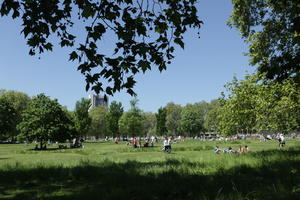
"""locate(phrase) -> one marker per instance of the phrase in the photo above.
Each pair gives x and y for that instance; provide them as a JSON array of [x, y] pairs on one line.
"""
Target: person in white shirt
[[281, 140], [166, 144]]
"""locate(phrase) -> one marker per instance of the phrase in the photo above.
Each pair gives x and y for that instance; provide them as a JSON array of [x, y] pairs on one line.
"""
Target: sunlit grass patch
[[191, 171]]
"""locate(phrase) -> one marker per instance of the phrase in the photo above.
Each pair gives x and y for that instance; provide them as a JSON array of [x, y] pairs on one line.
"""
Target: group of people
[[241, 149], [76, 143], [148, 142]]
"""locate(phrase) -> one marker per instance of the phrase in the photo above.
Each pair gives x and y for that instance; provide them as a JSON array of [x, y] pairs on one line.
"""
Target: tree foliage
[[7, 118], [173, 118], [161, 128], [19, 102], [252, 104], [81, 117], [192, 120], [212, 117], [238, 113], [115, 112], [272, 29], [278, 107], [149, 124], [132, 123], [146, 33], [43, 120], [99, 122]]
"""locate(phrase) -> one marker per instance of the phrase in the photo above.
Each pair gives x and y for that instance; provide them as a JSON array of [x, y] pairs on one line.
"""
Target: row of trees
[[172, 119], [38, 118], [249, 105], [41, 118]]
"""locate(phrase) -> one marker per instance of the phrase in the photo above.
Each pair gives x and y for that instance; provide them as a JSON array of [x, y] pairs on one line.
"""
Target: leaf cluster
[[146, 33], [272, 29]]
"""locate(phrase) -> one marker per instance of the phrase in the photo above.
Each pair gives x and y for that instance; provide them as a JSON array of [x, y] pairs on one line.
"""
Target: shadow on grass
[[131, 180]]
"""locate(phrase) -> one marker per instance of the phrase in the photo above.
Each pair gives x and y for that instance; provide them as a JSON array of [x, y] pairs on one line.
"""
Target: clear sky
[[198, 72]]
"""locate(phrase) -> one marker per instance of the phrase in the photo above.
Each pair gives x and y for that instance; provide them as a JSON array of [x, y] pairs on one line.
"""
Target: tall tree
[[161, 115], [19, 101], [211, 119], [7, 118], [44, 119], [115, 112], [252, 104], [81, 117], [146, 33], [202, 108], [278, 107], [173, 118], [238, 114], [132, 123], [149, 124], [191, 121], [272, 29], [99, 122]]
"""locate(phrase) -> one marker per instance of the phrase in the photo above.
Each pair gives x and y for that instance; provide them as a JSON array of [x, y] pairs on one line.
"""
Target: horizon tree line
[[247, 106]]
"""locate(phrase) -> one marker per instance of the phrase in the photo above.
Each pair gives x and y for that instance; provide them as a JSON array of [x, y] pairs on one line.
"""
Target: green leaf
[[179, 42], [73, 56]]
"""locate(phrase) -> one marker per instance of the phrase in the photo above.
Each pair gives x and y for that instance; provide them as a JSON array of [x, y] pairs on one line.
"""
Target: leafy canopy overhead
[[272, 28], [146, 32]]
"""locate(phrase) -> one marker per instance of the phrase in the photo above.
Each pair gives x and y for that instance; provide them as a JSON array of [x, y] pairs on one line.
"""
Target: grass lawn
[[105, 170]]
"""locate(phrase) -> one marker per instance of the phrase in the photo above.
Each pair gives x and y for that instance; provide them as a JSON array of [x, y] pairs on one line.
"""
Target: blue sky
[[198, 72]]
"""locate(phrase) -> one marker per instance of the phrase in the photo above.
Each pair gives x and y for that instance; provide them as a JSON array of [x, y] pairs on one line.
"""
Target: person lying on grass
[[229, 150]]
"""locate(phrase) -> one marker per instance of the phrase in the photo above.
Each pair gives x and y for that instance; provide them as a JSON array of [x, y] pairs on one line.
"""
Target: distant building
[[97, 100]]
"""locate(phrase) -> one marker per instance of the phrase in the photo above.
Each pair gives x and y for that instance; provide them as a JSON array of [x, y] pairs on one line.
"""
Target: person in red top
[[134, 142]]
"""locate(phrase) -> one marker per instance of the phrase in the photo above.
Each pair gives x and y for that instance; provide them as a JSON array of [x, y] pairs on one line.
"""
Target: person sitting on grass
[[146, 144], [241, 149], [116, 140], [246, 149], [217, 149]]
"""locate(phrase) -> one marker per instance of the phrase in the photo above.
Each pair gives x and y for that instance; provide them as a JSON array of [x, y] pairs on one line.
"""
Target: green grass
[[106, 170]]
